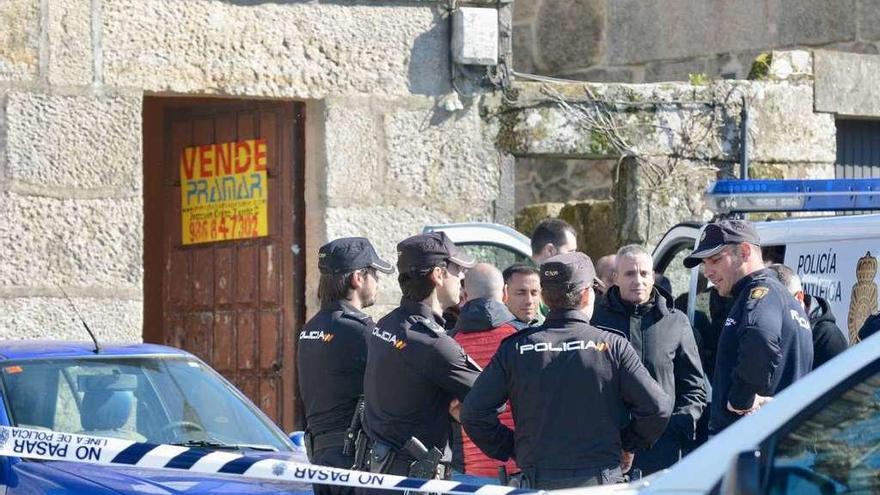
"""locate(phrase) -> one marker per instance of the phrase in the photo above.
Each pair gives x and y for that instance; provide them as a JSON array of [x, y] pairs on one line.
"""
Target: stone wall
[[405, 173], [383, 157], [636, 41], [672, 139], [542, 180]]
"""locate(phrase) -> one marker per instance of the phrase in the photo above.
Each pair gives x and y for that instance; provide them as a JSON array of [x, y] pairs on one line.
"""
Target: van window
[[500, 256], [774, 254], [679, 277], [837, 448]]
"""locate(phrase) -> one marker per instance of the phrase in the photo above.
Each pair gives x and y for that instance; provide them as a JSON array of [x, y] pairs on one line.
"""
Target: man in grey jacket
[[662, 337]]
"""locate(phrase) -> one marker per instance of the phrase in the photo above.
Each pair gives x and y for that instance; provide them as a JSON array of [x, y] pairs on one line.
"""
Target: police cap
[[349, 254], [719, 234], [429, 250], [574, 269]]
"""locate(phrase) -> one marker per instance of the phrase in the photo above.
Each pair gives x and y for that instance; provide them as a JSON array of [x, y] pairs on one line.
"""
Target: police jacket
[[663, 339], [331, 358], [482, 325], [870, 327], [414, 370], [765, 345], [828, 339], [569, 385]]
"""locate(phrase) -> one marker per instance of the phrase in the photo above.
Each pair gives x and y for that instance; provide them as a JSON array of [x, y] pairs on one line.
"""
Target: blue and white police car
[[138, 393]]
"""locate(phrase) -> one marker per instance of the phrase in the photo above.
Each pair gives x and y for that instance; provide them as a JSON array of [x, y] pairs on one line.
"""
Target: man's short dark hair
[[334, 287], [787, 277], [416, 285], [519, 269], [663, 282], [550, 231], [560, 297]]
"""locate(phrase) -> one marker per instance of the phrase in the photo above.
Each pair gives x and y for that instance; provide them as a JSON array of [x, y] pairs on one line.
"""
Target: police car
[[488, 242], [139, 393]]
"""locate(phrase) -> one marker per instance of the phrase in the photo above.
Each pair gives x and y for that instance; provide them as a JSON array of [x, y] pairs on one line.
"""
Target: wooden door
[[236, 303]]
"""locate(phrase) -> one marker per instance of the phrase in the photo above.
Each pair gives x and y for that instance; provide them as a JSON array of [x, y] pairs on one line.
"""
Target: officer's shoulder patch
[[759, 292], [427, 323], [362, 318], [522, 333], [610, 330]]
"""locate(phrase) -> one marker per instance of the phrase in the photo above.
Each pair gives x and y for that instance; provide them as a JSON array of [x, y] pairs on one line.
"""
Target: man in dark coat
[[643, 312], [828, 338]]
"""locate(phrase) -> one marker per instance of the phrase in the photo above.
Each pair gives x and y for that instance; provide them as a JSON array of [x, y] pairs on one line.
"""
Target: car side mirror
[[744, 474], [298, 439]]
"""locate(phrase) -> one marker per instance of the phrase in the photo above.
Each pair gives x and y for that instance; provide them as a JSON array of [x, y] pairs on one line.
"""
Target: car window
[[499, 256], [66, 407], [679, 277], [836, 449], [159, 400]]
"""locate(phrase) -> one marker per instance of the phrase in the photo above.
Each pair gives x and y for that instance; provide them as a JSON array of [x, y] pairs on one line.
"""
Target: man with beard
[[332, 350], [766, 343], [416, 374]]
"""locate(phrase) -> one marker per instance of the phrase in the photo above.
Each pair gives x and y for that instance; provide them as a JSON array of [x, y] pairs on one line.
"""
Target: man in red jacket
[[484, 321]]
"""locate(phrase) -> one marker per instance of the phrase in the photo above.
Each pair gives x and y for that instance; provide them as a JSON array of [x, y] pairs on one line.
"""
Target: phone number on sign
[[223, 228]]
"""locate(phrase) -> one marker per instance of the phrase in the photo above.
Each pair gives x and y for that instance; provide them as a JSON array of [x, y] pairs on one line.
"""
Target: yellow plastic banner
[[224, 191]]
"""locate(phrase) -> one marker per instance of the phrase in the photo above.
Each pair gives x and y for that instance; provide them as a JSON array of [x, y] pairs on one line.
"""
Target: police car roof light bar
[[740, 196]]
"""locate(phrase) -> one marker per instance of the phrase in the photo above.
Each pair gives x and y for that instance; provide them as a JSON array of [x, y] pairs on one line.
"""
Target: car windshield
[[173, 400]]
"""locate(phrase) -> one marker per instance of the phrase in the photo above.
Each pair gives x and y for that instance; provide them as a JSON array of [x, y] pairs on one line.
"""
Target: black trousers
[[333, 457], [555, 479], [399, 467], [664, 453]]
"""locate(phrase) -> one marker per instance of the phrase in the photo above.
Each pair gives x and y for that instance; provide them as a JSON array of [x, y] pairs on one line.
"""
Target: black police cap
[[349, 254], [429, 250], [719, 234], [574, 269]]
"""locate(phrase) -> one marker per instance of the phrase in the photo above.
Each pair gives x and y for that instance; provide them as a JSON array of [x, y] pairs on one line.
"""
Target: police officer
[[415, 372], [766, 342], [332, 350], [570, 386]]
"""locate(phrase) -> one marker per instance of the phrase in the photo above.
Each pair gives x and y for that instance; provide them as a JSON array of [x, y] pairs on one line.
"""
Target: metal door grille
[[858, 149]]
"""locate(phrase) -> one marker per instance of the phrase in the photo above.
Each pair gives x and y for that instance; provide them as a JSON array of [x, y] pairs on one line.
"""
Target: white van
[[835, 256]]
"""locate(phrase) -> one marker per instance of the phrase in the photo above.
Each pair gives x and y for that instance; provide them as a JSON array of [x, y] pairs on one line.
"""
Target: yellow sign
[[224, 191]]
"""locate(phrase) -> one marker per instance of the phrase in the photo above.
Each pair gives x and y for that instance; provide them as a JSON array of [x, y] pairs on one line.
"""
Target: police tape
[[56, 446]]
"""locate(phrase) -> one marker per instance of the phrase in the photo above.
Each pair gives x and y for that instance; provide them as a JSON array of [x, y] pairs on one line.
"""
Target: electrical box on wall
[[475, 36]]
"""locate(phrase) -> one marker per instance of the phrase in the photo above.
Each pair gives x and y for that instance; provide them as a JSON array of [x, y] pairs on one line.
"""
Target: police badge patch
[[279, 468], [758, 292], [4, 436]]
